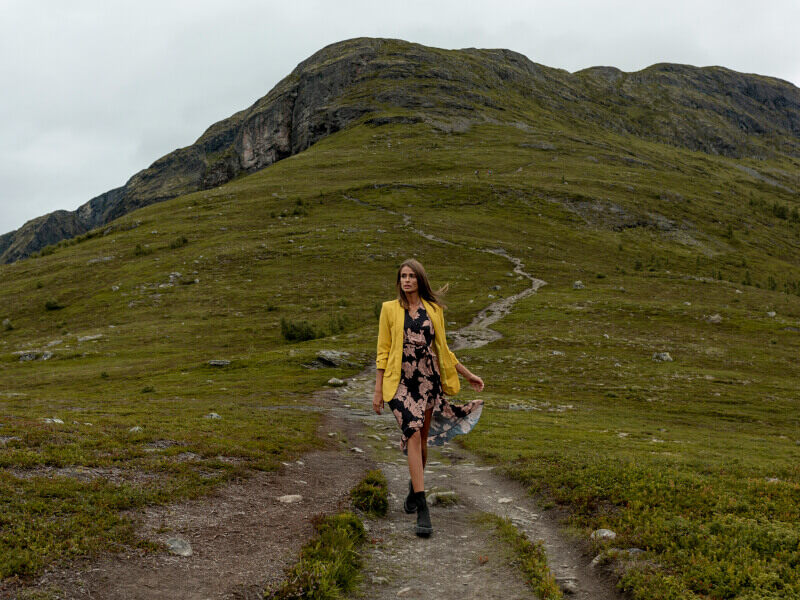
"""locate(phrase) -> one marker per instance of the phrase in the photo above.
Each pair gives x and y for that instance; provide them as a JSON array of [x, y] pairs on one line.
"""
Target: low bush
[[372, 494], [329, 564]]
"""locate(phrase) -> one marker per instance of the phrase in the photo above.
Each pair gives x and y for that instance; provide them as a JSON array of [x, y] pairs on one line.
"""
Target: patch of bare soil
[[241, 536]]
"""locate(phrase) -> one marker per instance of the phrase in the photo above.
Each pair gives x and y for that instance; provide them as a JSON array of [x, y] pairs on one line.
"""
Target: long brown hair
[[423, 285]]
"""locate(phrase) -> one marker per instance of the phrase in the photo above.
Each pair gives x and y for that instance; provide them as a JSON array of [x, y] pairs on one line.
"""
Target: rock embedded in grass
[[603, 534], [335, 382], [212, 415], [662, 357], [578, 285], [332, 358], [218, 363]]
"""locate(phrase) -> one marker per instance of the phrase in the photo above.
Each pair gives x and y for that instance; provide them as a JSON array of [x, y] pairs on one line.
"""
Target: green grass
[[371, 496], [705, 479], [529, 557], [329, 564]]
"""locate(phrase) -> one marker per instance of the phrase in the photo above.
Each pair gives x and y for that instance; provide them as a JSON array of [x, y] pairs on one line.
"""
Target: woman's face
[[408, 280]]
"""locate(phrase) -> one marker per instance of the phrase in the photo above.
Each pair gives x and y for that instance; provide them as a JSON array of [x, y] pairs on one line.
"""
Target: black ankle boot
[[424, 527], [410, 504]]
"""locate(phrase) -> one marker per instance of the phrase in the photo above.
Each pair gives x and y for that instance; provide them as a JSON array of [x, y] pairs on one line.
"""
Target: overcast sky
[[92, 91]]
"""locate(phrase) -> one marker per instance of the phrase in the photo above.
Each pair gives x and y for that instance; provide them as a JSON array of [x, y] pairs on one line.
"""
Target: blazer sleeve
[[452, 356], [384, 339]]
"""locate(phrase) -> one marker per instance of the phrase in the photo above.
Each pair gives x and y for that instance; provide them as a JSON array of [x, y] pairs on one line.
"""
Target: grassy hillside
[[693, 461]]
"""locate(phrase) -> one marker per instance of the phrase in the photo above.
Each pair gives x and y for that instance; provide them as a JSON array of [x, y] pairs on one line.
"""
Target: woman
[[415, 370]]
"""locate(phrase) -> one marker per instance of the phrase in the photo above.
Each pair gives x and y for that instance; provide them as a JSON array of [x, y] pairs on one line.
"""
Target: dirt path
[[461, 560], [241, 536]]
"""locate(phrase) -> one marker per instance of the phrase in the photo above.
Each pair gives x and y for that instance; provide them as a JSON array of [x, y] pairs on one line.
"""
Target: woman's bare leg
[[418, 453], [415, 467]]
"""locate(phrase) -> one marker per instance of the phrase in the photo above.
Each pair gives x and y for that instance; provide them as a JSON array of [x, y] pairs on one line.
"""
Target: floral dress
[[420, 389]]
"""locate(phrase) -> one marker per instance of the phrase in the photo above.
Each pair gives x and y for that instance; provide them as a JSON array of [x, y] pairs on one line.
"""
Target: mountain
[[380, 81]]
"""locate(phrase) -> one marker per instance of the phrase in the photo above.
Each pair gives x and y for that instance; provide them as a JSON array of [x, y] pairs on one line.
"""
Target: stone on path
[[335, 382], [357, 450], [505, 500], [179, 546], [290, 498]]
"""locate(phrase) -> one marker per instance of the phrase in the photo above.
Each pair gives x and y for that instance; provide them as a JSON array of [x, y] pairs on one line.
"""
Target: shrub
[[53, 304], [141, 250], [148, 389], [298, 331], [178, 242], [329, 564], [337, 324], [372, 495]]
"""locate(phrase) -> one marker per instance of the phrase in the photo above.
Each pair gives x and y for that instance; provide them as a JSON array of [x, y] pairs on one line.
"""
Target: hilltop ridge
[[381, 81]]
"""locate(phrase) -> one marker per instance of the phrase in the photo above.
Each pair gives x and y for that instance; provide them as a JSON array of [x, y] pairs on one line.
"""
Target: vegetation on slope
[[693, 461]]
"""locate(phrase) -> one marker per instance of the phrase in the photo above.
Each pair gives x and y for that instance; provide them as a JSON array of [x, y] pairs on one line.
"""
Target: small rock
[[569, 586], [55, 420], [335, 382], [357, 450], [375, 437], [773, 480], [114, 288], [557, 353], [603, 534], [179, 546], [597, 560], [578, 285], [212, 415], [662, 357], [7, 326], [715, 318], [135, 429], [90, 338], [403, 592], [496, 287], [218, 363], [476, 482], [290, 498], [379, 580], [504, 500], [332, 434], [771, 314], [738, 291]]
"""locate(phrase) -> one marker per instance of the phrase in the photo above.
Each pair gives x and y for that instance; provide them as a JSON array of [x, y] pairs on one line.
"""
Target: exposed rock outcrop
[[381, 81]]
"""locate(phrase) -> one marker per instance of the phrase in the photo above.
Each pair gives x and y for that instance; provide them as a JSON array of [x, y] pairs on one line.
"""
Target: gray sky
[[95, 90]]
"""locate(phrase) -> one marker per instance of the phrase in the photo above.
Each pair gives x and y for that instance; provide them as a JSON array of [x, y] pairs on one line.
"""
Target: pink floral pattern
[[420, 389]]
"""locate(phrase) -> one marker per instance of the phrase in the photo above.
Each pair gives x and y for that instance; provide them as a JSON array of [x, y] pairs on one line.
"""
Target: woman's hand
[[476, 382], [377, 401]]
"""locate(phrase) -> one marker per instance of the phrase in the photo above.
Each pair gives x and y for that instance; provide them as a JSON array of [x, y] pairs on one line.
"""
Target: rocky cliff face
[[710, 109]]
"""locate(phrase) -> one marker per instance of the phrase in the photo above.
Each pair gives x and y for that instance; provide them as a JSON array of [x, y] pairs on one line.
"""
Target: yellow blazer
[[390, 348]]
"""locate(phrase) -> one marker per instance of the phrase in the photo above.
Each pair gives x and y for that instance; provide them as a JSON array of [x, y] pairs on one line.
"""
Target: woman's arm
[[384, 346], [475, 381], [377, 398]]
